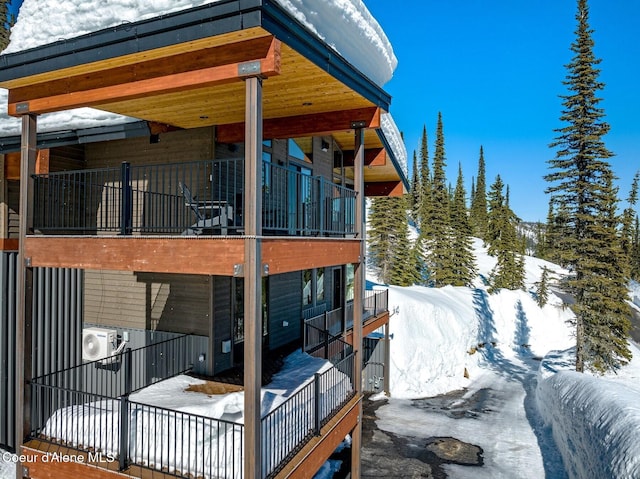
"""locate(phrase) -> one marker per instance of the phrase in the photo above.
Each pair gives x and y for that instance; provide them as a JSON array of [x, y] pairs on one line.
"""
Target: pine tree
[[6, 22], [380, 236], [463, 260], [389, 246], [416, 192], [479, 201], [542, 288], [503, 241], [627, 233], [635, 252], [426, 202], [438, 241], [581, 185], [403, 267]]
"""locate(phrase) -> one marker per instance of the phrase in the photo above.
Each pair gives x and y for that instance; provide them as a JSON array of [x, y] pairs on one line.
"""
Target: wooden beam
[[7, 244], [385, 188], [304, 125], [155, 77], [12, 164], [211, 256], [285, 255], [372, 157]]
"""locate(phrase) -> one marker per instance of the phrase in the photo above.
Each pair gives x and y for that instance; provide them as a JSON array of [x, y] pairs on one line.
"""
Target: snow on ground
[[595, 420], [7, 466], [525, 401]]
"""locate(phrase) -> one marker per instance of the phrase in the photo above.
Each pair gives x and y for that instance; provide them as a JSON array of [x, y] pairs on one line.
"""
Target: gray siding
[[8, 262], [57, 323], [164, 302], [285, 305], [222, 327]]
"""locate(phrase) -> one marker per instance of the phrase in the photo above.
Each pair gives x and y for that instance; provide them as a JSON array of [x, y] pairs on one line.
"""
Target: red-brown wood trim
[[7, 244], [12, 164], [372, 157], [155, 255], [152, 80], [42, 162], [284, 255], [303, 125], [369, 326], [384, 188], [309, 460], [48, 461]]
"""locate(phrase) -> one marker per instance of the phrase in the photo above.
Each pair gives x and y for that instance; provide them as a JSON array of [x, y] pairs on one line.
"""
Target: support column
[[358, 292], [253, 279], [24, 286]]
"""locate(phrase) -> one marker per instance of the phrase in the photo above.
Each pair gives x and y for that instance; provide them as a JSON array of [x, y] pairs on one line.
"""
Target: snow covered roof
[[344, 25]]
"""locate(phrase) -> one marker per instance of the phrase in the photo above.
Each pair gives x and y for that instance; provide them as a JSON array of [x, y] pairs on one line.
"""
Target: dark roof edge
[[204, 21], [394, 160], [118, 131], [289, 30]]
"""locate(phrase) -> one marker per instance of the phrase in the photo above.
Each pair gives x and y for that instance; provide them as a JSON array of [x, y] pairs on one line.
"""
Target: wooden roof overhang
[[186, 69]]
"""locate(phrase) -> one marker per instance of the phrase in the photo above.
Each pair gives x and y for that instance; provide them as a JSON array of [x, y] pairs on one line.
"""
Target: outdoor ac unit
[[98, 343]]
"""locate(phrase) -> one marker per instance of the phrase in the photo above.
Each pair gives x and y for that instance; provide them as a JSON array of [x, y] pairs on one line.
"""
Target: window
[[350, 282], [319, 285], [307, 298], [238, 311]]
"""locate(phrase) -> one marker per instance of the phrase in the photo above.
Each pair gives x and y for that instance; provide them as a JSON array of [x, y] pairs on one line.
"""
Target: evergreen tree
[[416, 192], [463, 260], [635, 252], [389, 246], [380, 236], [503, 242], [6, 22], [438, 241], [426, 201], [542, 288], [581, 185], [627, 233], [403, 267], [479, 201]]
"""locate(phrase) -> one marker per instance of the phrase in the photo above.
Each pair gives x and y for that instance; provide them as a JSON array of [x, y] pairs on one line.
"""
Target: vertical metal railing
[[292, 424], [153, 199]]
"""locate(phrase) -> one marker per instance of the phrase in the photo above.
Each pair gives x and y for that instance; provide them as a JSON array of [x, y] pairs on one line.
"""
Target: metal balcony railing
[[188, 198], [321, 328], [88, 408]]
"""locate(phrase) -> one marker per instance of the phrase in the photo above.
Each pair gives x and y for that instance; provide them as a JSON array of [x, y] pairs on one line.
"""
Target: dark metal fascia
[[394, 160], [280, 23], [119, 131], [196, 23]]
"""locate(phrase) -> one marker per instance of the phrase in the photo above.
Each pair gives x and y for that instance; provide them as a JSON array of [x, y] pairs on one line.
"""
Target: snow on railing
[[99, 418]]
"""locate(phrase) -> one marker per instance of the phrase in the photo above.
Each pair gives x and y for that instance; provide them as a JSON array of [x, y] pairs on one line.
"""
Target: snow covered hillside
[[542, 420]]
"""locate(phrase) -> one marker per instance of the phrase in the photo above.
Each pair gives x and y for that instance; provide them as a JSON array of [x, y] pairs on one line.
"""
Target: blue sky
[[494, 68]]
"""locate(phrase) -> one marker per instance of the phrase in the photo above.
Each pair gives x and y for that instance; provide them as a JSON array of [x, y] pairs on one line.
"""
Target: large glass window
[[350, 282], [319, 285], [238, 310], [307, 285]]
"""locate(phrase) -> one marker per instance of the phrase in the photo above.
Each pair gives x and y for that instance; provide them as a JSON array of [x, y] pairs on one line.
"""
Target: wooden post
[[253, 279], [24, 286], [358, 294]]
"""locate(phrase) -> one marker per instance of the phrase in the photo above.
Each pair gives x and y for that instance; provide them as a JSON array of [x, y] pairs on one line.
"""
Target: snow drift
[[595, 422]]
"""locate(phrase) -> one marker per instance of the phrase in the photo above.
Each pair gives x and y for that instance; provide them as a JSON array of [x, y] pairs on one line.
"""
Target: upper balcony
[[201, 198]]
